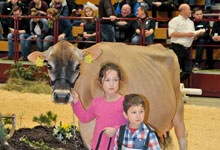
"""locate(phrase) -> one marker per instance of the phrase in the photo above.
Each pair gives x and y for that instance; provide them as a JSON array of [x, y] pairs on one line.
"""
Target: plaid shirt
[[137, 140]]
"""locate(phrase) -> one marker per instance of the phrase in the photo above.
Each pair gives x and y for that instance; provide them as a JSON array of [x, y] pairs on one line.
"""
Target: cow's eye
[[49, 67], [77, 67]]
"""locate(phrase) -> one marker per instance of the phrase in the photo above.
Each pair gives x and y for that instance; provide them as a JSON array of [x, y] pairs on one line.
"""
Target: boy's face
[[198, 14], [135, 116]]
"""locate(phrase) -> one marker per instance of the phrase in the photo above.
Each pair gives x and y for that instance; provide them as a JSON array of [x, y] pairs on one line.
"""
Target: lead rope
[[75, 138]]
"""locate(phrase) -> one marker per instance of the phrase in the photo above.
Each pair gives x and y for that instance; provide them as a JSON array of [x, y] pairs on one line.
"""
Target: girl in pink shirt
[[108, 109]]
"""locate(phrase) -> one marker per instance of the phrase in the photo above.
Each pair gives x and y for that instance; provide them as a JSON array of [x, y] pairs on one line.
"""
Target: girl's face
[[35, 19], [89, 12], [110, 83], [135, 115]]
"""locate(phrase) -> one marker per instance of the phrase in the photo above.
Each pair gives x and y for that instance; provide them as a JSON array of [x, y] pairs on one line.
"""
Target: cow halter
[[72, 84]]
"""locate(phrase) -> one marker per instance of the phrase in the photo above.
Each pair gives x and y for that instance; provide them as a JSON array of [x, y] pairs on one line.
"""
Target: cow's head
[[63, 68]]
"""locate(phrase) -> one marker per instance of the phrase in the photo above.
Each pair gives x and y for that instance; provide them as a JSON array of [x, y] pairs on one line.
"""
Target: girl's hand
[[110, 131], [75, 97]]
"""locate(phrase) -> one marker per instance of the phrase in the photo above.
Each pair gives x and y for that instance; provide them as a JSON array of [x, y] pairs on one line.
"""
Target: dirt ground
[[202, 122]]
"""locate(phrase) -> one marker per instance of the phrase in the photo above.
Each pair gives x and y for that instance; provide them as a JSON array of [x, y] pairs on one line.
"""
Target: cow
[[152, 71]]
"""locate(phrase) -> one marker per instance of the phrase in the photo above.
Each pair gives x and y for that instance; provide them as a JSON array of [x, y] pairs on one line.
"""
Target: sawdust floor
[[202, 122]]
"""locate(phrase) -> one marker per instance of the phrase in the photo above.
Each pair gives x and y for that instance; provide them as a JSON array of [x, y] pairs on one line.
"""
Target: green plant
[[64, 132], [2, 132], [31, 73], [46, 119], [36, 145]]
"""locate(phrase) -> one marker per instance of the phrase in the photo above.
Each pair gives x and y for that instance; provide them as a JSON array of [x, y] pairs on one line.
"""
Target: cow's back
[[148, 70]]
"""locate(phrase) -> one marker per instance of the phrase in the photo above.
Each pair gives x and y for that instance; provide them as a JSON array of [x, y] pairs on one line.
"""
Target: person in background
[[134, 5], [89, 29], [103, 108], [61, 6], [24, 32], [148, 26], [38, 30], [7, 10], [182, 32], [162, 5], [135, 134], [65, 29], [107, 27], [215, 40], [40, 6], [123, 28], [203, 39]]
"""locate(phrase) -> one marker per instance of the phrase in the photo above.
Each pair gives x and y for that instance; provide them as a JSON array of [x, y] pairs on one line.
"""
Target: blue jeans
[[107, 33], [24, 51], [39, 44], [136, 39], [49, 41]]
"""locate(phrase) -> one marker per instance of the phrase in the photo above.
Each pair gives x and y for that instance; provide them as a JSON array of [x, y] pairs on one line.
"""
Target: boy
[[135, 134]]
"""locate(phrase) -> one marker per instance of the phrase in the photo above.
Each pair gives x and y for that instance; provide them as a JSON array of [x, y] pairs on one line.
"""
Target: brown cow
[[149, 70]]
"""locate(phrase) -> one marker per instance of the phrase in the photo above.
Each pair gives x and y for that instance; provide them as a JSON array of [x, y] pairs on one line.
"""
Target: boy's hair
[[132, 100], [16, 8], [53, 11], [109, 66], [197, 9]]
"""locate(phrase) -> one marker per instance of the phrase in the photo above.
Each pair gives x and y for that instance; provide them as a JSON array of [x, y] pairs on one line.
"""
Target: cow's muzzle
[[62, 96]]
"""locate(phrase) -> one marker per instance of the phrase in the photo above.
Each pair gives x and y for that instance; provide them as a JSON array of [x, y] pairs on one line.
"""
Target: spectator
[[23, 32], [61, 6], [215, 40], [123, 28], [162, 5], [7, 10], [65, 29], [107, 27], [192, 4], [25, 6], [148, 27], [134, 5], [89, 29], [182, 32], [202, 39], [40, 6], [38, 29]]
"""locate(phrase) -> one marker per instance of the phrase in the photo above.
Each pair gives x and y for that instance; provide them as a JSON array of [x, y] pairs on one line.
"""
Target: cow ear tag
[[39, 62], [88, 59]]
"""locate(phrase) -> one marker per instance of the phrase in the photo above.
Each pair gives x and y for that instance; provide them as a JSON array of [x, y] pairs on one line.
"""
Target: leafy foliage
[[35, 144], [31, 73], [46, 119]]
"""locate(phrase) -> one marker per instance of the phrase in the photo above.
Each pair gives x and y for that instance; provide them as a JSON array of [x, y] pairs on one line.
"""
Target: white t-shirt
[[180, 24]]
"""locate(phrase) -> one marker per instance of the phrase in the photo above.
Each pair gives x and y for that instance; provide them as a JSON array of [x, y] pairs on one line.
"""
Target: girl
[[89, 29], [107, 109]]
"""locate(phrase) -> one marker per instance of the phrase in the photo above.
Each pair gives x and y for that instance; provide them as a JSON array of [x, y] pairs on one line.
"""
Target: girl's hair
[[53, 11], [109, 66], [132, 100], [86, 21]]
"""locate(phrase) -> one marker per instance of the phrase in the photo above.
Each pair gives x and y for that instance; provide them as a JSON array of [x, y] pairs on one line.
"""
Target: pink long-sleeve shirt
[[108, 114]]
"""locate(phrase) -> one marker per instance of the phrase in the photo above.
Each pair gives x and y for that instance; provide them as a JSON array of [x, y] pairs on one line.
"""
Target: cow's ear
[[34, 55], [94, 51]]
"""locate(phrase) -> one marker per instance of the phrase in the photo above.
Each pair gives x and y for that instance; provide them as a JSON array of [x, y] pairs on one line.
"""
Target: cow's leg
[[86, 132], [179, 127]]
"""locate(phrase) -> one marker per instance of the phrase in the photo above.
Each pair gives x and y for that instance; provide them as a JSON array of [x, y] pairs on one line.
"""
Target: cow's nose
[[60, 97]]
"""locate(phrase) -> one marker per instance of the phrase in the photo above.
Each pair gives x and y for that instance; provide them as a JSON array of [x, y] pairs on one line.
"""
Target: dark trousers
[[209, 53], [200, 49], [184, 59], [168, 9]]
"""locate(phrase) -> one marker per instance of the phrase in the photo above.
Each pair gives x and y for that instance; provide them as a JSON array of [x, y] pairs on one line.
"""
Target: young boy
[[135, 134]]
